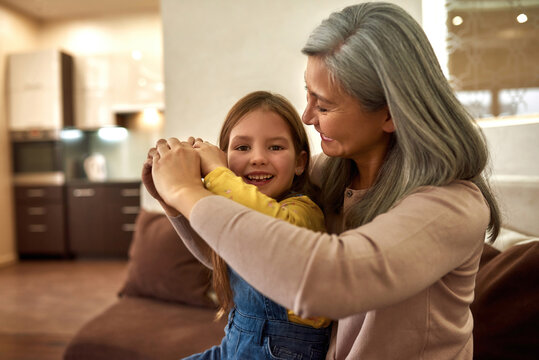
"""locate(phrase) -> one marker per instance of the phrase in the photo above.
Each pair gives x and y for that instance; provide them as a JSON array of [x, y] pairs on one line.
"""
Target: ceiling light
[[457, 20], [522, 18]]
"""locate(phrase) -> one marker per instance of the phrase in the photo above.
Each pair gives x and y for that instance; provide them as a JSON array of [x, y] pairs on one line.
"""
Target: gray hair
[[377, 53]]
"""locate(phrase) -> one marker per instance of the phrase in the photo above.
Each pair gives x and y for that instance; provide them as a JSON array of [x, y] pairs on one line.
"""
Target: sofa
[[165, 309]]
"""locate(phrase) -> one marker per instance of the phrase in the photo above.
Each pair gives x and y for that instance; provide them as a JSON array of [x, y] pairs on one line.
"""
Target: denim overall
[[258, 328]]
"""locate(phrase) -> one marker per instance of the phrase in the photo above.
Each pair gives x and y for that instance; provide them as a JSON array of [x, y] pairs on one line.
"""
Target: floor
[[44, 302]]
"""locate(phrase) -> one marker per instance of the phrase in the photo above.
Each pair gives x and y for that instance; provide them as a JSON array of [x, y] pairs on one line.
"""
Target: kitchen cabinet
[[40, 220], [101, 217], [40, 90], [107, 84]]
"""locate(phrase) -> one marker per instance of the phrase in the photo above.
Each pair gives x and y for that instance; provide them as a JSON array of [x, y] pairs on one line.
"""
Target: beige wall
[[218, 51], [105, 34], [17, 33]]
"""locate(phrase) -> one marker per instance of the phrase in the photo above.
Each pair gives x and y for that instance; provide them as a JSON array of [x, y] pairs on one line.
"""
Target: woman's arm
[[398, 254], [193, 242], [427, 235]]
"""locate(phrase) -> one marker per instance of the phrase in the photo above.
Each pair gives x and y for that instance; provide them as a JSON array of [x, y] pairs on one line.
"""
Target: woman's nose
[[308, 117]]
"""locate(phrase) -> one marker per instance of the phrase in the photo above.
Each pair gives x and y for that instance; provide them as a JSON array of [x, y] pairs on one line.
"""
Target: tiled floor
[[43, 303]]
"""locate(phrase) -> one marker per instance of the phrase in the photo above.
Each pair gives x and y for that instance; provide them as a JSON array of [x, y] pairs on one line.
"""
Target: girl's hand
[[176, 174], [211, 157]]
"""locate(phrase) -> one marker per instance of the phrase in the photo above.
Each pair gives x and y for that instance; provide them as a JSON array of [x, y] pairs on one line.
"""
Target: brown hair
[[301, 183]]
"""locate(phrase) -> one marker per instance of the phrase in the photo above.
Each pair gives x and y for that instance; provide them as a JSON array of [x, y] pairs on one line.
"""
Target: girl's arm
[[298, 210]]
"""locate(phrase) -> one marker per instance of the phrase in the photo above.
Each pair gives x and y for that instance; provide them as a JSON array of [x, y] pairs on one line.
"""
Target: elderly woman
[[402, 189]]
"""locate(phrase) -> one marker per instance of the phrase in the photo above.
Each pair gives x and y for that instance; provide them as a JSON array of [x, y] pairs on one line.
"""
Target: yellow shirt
[[298, 210]]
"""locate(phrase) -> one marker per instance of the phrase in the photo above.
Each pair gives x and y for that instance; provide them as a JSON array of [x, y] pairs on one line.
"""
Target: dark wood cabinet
[[101, 217], [41, 220]]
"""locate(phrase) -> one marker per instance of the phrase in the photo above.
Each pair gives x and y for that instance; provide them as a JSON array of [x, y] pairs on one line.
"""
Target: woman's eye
[[321, 109], [276, 147], [242, 148]]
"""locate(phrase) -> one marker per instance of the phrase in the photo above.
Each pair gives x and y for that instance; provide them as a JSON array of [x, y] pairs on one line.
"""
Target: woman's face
[[346, 130], [261, 151]]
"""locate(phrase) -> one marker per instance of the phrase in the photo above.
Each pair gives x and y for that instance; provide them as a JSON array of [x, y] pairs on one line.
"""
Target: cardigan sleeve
[[198, 247], [401, 252]]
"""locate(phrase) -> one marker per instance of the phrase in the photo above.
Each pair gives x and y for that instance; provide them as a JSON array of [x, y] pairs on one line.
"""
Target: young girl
[[267, 152]]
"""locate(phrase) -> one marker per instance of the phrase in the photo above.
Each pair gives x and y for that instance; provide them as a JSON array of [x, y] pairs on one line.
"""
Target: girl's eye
[[276, 147], [242, 148]]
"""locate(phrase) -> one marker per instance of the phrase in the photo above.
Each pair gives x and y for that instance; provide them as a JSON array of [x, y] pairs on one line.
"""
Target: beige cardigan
[[399, 286]]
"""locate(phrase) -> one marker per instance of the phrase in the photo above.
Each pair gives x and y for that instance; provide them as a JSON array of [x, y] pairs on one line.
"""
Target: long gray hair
[[377, 53]]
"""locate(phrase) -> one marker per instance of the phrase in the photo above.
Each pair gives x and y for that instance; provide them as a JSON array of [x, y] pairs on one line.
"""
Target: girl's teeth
[[259, 177]]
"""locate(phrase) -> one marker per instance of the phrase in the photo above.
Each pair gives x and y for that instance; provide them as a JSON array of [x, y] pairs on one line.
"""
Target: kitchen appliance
[[38, 157], [95, 167]]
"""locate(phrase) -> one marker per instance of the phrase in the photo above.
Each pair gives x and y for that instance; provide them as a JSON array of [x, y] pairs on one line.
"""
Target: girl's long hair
[[379, 54], [301, 183]]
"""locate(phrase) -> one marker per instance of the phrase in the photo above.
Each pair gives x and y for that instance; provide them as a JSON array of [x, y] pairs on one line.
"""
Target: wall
[[215, 53], [17, 33], [514, 149]]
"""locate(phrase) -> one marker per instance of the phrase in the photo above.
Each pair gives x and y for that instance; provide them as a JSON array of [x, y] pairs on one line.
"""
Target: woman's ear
[[301, 161], [388, 125]]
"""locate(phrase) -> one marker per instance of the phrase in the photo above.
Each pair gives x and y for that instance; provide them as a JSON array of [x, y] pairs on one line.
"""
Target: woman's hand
[[211, 157], [147, 180], [176, 174]]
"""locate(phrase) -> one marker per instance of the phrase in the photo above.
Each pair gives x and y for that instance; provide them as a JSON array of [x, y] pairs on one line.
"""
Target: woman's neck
[[367, 171]]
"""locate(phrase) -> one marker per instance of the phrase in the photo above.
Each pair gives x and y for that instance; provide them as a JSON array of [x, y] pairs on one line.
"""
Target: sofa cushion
[[161, 267], [506, 305], [146, 329]]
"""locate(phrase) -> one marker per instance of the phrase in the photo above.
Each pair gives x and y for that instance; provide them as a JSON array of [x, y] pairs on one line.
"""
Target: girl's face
[[261, 151], [345, 129]]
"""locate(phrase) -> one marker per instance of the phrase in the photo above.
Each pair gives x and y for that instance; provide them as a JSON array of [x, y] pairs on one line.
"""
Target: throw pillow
[[161, 267]]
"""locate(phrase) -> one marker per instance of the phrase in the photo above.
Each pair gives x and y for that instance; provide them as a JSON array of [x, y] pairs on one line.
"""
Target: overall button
[[349, 193]]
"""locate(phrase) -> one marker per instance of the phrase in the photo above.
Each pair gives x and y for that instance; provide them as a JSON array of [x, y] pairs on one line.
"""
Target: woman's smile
[[325, 138]]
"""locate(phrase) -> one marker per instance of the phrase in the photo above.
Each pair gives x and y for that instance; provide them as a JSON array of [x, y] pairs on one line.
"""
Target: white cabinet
[[106, 84], [40, 90], [92, 92]]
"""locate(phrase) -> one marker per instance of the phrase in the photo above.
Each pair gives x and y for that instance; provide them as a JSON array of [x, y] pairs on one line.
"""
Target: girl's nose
[[258, 157]]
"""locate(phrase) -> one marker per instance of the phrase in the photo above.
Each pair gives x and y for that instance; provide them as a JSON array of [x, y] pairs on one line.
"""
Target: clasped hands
[[173, 170]]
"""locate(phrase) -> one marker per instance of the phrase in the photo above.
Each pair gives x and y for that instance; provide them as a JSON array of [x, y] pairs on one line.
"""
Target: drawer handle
[[35, 193], [37, 228], [37, 211], [130, 210], [83, 192], [128, 227], [130, 192]]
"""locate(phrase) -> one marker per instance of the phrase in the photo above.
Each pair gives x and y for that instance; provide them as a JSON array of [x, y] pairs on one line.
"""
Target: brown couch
[[506, 305], [164, 310]]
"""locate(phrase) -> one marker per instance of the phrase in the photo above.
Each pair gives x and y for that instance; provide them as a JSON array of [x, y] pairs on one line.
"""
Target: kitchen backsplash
[[124, 153]]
